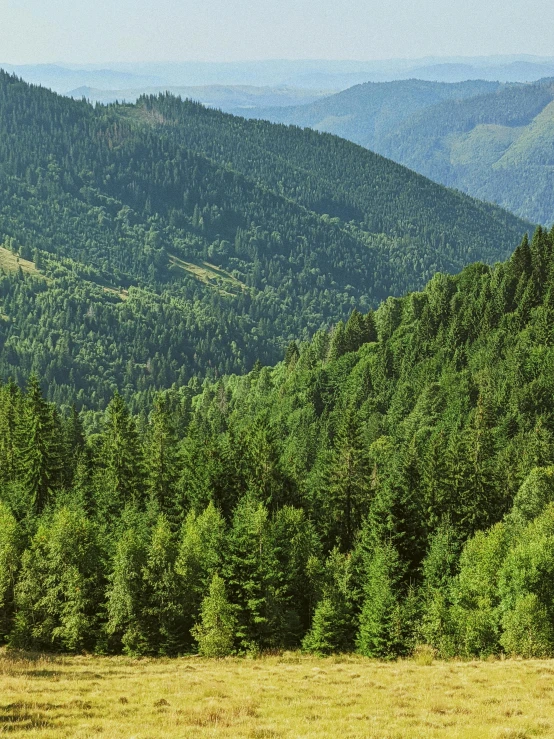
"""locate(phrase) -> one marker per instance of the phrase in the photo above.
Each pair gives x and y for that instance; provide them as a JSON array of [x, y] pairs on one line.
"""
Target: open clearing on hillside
[[10, 262], [210, 275], [286, 696]]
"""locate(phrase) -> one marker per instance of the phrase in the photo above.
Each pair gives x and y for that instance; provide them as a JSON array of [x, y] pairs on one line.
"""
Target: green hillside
[[389, 484], [172, 241], [366, 113], [493, 142]]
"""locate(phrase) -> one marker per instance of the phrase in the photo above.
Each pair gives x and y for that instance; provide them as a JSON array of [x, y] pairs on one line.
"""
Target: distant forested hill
[[495, 142], [144, 244], [366, 113]]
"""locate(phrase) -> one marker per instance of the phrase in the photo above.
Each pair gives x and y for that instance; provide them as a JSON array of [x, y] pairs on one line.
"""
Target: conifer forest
[[261, 390]]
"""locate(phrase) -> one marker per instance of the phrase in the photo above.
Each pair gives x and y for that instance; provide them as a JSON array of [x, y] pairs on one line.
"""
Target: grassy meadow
[[282, 696]]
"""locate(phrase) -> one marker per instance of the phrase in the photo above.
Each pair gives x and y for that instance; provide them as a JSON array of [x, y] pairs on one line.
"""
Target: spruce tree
[[120, 479], [125, 596], [201, 553], [39, 451], [163, 593], [337, 346], [74, 444], [332, 628], [348, 490], [11, 401], [439, 569], [215, 633], [250, 571], [163, 462], [60, 590], [383, 631]]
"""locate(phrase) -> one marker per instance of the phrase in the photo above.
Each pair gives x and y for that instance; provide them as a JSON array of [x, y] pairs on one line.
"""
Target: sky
[[84, 31]]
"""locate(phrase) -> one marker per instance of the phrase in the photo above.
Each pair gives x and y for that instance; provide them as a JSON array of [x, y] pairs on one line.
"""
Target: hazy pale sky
[[77, 31]]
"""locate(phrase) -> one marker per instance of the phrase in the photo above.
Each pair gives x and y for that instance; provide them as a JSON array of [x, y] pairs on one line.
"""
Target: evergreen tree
[[200, 556], [125, 596], [215, 633], [162, 462], [39, 460], [348, 492], [74, 444], [10, 555], [439, 568], [10, 415], [120, 481], [337, 346], [163, 592], [384, 626], [250, 571], [58, 596], [333, 624]]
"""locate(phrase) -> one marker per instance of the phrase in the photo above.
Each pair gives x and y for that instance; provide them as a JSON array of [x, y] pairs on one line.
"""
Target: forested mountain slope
[[166, 240], [389, 483], [492, 141], [499, 147], [366, 113]]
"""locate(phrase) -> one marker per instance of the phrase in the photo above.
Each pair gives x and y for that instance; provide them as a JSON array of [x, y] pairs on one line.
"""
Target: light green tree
[[215, 633]]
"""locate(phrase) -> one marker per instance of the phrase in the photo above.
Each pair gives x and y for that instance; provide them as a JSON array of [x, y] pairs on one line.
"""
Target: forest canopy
[[389, 483], [143, 245]]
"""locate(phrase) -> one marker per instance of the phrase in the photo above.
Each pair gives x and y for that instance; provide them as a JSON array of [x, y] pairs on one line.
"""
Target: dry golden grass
[[10, 262], [286, 696]]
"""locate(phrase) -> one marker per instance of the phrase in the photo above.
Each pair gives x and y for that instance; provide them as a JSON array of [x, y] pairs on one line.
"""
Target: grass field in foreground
[[287, 696]]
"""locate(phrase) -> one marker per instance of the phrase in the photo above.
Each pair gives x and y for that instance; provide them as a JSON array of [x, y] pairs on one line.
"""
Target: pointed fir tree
[[357, 331], [439, 569], [125, 596], [291, 355], [337, 346], [383, 631], [39, 459], [250, 570], [215, 633], [163, 462], [332, 627], [59, 593], [200, 556], [348, 488], [74, 444], [11, 402], [163, 593], [120, 479]]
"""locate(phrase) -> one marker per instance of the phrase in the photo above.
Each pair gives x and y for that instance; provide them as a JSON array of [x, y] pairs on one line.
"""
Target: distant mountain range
[[306, 74], [492, 140], [230, 98]]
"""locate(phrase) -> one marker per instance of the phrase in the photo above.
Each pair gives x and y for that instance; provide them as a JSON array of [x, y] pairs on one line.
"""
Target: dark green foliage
[[172, 241], [39, 458], [382, 628], [393, 492], [120, 479], [491, 140], [10, 555], [332, 628]]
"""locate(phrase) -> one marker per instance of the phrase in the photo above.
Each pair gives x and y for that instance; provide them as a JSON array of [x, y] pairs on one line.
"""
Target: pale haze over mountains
[[333, 75]]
